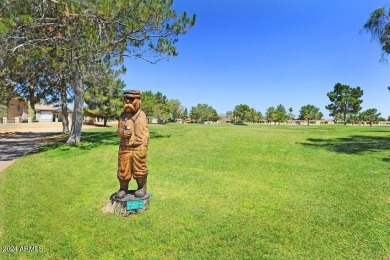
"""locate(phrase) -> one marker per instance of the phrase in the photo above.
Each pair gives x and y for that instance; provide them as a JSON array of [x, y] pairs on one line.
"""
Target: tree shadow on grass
[[157, 135], [356, 144], [384, 130], [43, 143], [89, 140], [99, 138]]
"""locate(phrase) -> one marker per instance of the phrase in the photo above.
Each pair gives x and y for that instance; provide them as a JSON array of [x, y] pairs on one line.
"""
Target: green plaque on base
[[128, 205], [135, 204]]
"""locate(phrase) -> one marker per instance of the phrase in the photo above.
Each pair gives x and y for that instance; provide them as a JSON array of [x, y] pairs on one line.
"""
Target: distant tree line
[[345, 101], [277, 115], [157, 105], [344, 107]]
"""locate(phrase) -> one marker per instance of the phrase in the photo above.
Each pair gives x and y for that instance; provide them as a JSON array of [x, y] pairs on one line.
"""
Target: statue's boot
[[124, 186], [141, 191]]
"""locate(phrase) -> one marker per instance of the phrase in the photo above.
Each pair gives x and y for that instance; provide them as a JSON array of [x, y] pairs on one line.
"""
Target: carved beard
[[131, 107]]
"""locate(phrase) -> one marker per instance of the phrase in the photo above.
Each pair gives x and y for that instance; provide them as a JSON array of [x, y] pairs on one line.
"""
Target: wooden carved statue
[[134, 138]]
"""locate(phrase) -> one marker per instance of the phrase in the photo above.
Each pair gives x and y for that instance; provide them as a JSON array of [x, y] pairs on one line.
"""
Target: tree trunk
[[345, 118], [105, 121], [65, 119], [78, 112], [64, 108]]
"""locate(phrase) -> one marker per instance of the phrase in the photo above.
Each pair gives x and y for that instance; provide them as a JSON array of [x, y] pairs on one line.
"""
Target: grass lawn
[[217, 191]]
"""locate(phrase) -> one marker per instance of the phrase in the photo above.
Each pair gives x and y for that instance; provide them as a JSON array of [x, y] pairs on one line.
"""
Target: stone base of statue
[[128, 205]]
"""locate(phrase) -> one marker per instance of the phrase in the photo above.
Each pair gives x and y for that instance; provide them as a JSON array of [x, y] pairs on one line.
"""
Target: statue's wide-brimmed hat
[[132, 93]]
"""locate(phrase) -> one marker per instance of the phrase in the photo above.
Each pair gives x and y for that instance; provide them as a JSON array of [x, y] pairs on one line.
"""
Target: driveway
[[14, 145], [17, 140]]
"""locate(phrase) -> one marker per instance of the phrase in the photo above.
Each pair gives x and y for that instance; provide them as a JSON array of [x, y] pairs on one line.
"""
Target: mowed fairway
[[217, 191]]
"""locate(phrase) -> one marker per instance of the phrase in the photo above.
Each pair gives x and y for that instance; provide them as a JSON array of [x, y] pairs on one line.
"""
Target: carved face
[[131, 105]]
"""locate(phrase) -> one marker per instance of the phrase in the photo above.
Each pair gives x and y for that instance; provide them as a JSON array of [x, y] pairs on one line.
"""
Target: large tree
[[280, 114], [345, 100], [161, 107], [176, 110], [103, 95], [244, 113], [310, 112], [155, 105], [255, 116], [241, 113], [270, 114], [81, 33], [371, 115], [203, 112], [378, 24], [148, 102]]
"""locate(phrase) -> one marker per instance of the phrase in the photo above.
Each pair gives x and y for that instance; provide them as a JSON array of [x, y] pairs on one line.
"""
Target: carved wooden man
[[134, 138]]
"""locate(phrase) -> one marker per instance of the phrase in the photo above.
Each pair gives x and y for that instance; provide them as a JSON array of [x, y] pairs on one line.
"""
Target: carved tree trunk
[[78, 113]]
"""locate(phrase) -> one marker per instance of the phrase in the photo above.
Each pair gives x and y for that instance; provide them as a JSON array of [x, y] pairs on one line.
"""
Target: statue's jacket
[[137, 123]]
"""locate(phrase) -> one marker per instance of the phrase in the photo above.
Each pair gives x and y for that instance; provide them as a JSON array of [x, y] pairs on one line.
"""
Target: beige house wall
[[17, 108]]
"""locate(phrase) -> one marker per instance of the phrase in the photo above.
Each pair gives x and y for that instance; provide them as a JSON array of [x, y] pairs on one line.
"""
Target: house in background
[[19, 111], [49, 113], [16, 112], [224, 119], [43, 113], [58, 115]]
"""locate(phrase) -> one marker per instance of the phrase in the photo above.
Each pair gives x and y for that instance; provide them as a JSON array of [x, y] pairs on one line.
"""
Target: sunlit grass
[[218, 191]]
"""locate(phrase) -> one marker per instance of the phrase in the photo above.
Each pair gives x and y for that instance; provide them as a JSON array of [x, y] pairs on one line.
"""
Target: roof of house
[[39, 107], [59, 109]]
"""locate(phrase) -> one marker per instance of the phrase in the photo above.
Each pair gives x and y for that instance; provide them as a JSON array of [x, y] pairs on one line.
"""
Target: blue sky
[[266, 53]]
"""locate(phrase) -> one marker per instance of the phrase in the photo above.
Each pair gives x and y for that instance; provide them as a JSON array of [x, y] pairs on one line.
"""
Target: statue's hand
[[126, 133]]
